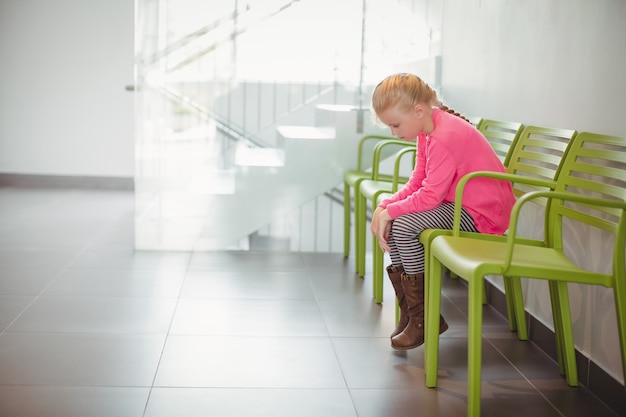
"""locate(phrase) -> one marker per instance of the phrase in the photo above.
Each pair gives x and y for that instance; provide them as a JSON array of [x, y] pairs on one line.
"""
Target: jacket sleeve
[[439, 174], [417, 176]]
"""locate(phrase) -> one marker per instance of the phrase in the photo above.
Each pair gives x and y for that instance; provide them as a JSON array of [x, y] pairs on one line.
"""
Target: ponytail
[[447, 109]]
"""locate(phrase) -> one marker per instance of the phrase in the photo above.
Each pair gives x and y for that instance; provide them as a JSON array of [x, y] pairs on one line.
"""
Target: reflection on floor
[[89, 327]]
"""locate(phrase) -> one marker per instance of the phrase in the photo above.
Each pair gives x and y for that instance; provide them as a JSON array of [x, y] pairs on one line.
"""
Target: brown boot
[[395, 276], [413, 335]]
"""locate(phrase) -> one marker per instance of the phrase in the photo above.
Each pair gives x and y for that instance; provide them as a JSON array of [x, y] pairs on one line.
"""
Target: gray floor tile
[[128, 258], [48, 359], [372, 363], [249, 362], [41, 401], [26, 280], [11, 306], [202, 402], [27, 256], [293, 285], [357, 317], [96, 315], [247, 261], [407, 402], [109, 282], [248, 318]]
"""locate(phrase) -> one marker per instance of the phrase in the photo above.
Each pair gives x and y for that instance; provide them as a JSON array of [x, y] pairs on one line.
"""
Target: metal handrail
[[233, 16], [224, 126]]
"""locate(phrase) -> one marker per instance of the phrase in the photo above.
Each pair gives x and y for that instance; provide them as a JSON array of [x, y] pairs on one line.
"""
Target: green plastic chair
[[376, 179], [535, 159], [501, 135], [589, 191], [352, 177]]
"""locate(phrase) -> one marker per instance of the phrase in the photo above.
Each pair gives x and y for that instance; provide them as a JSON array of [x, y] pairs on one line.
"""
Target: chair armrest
[[514, 178], [362, 142], [560, 195], [396, 167], [378, 149]]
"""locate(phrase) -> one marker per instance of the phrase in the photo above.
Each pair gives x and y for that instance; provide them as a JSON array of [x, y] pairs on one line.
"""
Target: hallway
[[89, 327]]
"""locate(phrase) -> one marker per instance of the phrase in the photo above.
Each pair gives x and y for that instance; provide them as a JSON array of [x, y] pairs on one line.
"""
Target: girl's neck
[[429, 124]]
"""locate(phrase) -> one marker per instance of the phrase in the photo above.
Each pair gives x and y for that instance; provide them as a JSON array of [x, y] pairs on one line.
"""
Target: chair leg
[[484, 296], [510, 303], [432, 310], [359, 212], [620, 306], [515, 306], [474, 353], [347, 208], [360, 224], [563, 326], [378, 271], [377, 262], [556, 317]]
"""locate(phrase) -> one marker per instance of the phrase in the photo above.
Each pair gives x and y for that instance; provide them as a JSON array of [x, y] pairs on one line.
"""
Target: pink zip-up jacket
[[453, 149]]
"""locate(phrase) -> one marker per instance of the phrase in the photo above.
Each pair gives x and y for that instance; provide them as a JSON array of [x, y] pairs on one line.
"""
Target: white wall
[[64, 65], [557, 63]]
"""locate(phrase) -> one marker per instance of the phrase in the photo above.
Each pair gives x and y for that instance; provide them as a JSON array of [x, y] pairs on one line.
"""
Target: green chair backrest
[[538, 153], [502, 136], [595, 167]]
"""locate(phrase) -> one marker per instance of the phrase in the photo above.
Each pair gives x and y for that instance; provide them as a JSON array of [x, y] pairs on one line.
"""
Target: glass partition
[[247, 112]]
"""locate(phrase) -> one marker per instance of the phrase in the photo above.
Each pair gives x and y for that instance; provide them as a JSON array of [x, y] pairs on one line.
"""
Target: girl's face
[[406, 125]]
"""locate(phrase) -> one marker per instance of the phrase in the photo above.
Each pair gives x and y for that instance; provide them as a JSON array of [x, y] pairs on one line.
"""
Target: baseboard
[[67, 181], [594, 378]]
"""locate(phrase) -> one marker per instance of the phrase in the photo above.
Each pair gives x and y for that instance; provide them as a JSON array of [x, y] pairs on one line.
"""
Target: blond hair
[[405, 91]]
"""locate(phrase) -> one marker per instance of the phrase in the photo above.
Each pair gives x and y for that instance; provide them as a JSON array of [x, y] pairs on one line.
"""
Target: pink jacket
[[453, 149]]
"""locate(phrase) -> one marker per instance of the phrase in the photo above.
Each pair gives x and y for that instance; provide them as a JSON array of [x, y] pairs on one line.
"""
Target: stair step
[[306, 132], [260, 157]]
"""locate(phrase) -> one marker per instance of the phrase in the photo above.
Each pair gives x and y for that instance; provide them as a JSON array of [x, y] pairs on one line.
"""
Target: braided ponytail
[[447, 109]]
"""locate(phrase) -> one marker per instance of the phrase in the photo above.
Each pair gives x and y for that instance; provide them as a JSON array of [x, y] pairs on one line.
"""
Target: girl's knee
[[405, 226]]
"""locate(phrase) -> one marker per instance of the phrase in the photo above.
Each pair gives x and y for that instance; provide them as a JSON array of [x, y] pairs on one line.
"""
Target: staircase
[[217, 158], [209, 195]]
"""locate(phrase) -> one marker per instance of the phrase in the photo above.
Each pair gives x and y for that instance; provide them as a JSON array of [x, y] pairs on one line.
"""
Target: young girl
[[448, 147]]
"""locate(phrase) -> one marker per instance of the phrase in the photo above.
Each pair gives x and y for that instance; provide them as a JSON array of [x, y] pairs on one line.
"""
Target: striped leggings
[[406, 249]]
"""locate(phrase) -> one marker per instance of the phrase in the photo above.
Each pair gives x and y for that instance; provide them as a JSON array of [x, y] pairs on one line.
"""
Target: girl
[[448, 147]]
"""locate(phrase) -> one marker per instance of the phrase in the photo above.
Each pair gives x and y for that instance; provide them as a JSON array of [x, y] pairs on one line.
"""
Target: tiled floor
[[89, 327]]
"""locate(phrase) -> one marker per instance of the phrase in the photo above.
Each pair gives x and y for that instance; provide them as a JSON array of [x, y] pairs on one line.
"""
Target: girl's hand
[[380, 227]]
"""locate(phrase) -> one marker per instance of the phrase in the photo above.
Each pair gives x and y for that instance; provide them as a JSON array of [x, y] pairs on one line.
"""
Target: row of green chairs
[[537, 155], [534, 157], [534, 152], [501, 134], [373, 150], [589, 190]]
